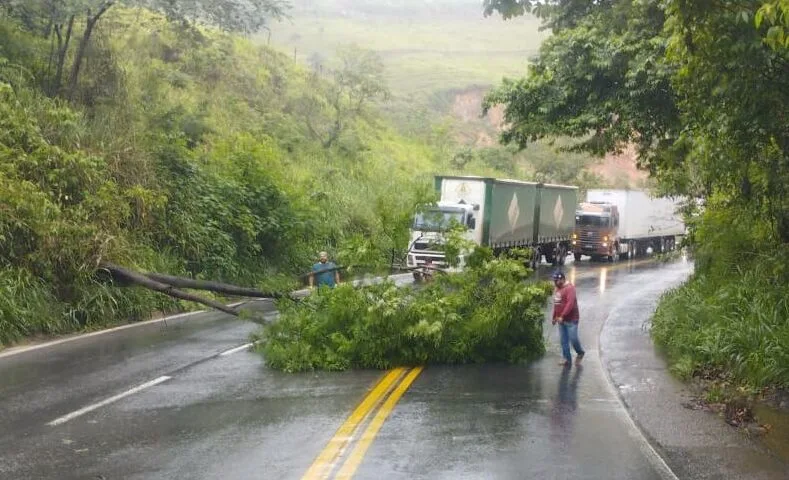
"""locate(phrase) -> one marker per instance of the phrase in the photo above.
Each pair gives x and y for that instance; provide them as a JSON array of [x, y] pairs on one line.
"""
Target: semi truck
[[496, 213], [617, 224]]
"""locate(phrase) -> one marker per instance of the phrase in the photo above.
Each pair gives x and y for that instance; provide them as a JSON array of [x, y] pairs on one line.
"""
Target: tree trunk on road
[[143, 281], [182, 282]]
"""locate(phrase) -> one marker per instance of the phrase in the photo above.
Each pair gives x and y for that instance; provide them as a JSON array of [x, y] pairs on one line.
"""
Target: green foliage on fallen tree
[[488, 313]]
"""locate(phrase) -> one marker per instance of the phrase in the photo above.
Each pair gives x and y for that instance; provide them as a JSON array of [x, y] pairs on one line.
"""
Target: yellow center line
[[323, 464], [355, 458]]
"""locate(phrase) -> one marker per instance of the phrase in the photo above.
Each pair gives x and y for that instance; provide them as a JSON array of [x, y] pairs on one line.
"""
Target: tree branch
[[218, 287], [143, 281]]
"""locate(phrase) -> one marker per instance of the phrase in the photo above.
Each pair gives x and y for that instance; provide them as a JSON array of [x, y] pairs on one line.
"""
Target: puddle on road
[[777, 439]]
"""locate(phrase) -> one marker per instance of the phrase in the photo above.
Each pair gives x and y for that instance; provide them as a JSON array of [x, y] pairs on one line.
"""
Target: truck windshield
[[591, 221], [436, 220]]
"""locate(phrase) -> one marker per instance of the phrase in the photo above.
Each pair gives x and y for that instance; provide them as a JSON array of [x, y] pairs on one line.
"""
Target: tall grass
[[199, 163], [27, 306], [735, 325]]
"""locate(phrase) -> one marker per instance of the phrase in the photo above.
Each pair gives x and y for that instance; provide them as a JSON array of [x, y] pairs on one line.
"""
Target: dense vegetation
[[158, 135], [488, 313], [702, 88], [182, 149]]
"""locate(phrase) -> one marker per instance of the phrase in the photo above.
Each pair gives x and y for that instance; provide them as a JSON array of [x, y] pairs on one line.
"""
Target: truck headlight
[[605, 244], [605, 239]]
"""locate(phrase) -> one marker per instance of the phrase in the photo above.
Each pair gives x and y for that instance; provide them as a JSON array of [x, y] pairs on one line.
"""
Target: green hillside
[[183, 150], [424, 53]]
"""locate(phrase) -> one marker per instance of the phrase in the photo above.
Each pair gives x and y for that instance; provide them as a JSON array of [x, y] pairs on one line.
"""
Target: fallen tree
[[139, 279], [171, 285], [487, 313], [218, 287]]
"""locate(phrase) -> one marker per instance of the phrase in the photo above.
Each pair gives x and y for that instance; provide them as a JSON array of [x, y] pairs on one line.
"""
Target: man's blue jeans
[[568, 333]]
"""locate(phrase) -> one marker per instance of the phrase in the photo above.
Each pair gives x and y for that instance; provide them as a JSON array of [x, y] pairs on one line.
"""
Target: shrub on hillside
[[488, 313]]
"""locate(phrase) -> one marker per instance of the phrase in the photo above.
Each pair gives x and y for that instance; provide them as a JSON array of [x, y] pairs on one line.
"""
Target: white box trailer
[[613, 223], [641, 216]]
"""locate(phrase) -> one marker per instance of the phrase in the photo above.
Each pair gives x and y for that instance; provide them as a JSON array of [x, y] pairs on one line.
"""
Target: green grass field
[[424, 55], [439, 57]]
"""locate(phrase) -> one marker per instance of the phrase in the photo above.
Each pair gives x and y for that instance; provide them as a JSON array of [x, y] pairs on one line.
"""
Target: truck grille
[[588, 238], [438, 262]]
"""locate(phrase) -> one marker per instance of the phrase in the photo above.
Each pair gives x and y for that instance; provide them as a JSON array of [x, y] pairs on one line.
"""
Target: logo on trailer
[[558, 212], [514, 212], [462, 190]]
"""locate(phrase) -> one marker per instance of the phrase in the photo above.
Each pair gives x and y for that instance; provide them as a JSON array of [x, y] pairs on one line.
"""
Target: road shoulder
[[51, 341], [694, 444]]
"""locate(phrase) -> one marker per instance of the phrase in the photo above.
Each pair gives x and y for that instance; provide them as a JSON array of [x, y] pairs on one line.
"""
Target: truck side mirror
[[472, 223]]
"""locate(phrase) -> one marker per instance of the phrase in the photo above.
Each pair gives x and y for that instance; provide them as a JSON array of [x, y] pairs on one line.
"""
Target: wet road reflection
[[565, 405], [235, 419], [603, 278]]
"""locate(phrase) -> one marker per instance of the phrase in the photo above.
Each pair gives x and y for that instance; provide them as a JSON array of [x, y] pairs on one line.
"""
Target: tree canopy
[[243, 16], [702, 88]]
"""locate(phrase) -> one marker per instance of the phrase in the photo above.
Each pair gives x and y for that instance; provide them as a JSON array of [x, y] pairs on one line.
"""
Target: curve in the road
[[647, 447]]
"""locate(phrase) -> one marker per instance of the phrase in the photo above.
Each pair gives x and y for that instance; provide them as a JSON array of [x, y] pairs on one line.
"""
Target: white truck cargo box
[[641, 216]]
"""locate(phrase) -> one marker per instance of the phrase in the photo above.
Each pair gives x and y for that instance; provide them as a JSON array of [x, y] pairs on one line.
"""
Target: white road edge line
[[660, 464], [90, 408], [17, 350], [235, 350]]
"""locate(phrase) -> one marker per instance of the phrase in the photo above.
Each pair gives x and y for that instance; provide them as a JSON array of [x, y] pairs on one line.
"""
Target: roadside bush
[[735, 327], [488, 313], [731, 319]]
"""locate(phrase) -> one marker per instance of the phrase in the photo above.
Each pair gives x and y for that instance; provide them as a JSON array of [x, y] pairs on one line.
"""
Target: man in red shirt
[[565, 313]]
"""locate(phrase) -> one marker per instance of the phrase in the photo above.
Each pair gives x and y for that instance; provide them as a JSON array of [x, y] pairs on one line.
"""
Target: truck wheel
[[577, 257], [550, 258], [614, 254], [535, 261]]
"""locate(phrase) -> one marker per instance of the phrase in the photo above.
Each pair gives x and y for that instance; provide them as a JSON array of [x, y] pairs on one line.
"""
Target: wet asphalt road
[[229, 417]]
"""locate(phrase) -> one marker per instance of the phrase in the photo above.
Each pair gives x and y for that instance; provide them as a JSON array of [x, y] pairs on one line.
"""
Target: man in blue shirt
[[325, 272]]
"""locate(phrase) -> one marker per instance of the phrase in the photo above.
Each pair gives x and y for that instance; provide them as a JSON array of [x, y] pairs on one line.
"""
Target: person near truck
[[325, 273], [566, 314], [427, 271]]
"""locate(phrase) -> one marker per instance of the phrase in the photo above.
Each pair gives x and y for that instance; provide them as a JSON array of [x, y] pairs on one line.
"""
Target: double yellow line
[[394, 384], [383, 397]]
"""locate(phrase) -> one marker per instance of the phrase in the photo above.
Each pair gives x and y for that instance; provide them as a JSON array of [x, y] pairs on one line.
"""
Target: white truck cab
[[429, 226]]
